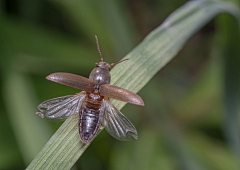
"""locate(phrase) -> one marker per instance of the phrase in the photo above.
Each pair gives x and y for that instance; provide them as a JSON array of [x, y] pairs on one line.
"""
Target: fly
[[92, 105]]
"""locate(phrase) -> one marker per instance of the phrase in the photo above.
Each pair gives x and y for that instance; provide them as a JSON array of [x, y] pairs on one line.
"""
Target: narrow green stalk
[[154, 52]]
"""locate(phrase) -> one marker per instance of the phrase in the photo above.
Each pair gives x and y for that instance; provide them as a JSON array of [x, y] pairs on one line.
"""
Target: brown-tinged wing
[[117, 124], [60, 108], [72, 80], [121, 94]]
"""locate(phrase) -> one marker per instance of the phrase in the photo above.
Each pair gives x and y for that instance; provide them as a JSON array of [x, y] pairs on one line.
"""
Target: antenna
[[118, 62], [98, 48]]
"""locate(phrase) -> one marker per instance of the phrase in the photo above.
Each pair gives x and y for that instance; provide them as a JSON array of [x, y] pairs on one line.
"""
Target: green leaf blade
[[156, 50]]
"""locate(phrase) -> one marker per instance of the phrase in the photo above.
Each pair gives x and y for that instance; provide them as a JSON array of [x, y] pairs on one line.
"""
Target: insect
[[92, 104]]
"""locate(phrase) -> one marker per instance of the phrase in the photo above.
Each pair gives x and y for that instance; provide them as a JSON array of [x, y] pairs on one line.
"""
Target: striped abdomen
[[90, 117]]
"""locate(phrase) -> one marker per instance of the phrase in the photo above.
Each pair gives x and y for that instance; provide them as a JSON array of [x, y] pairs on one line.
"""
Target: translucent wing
[[61, 108], [117, 124]]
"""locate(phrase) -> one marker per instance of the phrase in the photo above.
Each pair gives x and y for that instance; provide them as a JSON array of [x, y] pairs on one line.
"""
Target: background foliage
[[184, 123]]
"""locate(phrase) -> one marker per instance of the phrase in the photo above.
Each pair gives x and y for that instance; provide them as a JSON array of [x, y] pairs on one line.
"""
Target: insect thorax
[[100, 76], [93, 100]]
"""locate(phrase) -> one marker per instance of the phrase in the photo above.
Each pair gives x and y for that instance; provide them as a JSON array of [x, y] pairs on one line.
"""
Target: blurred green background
[[183, 124]]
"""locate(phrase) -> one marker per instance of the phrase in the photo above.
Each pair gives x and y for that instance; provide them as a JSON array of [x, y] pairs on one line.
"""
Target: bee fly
[[92, 104]]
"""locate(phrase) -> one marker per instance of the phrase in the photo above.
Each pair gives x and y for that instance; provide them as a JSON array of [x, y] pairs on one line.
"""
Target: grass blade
[[230, 49], [156, 50], [20, 101]]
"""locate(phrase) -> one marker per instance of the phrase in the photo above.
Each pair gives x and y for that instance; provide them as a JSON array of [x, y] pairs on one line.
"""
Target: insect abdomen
[[88, 124], [90, 117]]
